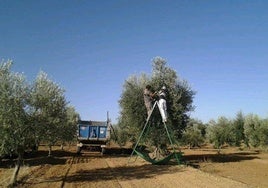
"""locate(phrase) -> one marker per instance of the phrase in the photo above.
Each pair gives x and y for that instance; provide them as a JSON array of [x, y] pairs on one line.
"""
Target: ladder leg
[[170, 140], [148, 118], [138, 141]]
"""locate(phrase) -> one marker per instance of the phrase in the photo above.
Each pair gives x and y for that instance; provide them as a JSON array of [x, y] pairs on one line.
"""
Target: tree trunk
[[16, 170], [156, 153], [49, 150], [219, 150]]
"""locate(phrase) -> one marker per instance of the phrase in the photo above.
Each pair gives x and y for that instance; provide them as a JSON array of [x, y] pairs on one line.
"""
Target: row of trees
[[244, 130], [31, 113]]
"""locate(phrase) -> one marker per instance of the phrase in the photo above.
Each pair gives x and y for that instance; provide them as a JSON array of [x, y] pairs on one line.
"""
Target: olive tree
[[15, 129], [263, 133], [238, 128], [49, 109], [133, 112], [251, 127], [220, 132], [194, 135], [70, 126], [31, 113]]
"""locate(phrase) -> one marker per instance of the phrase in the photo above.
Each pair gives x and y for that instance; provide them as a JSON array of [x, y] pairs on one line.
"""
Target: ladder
[[143, 130]]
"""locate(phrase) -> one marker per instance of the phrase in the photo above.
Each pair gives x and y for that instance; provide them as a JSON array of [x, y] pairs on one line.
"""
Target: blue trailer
[[93, 134]]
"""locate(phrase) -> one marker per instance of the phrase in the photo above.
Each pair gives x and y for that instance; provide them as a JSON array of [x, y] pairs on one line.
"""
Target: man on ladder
[[148, 95], [149, 98]]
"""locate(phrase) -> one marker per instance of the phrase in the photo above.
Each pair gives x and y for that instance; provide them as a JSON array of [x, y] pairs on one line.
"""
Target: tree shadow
[[62, 157], [121, 173], [39, 158], [42, 153], [195, 160], [108, 173], [118, 151]]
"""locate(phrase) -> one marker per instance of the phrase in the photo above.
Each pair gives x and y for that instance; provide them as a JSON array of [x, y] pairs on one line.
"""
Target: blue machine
[[93, 134]]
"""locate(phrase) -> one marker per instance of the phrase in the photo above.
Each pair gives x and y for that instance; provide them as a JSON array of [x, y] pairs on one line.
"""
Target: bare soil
[[247, 166], [200, 168]]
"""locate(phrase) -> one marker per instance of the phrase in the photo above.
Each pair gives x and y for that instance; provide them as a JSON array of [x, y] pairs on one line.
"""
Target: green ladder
[[146, 156]]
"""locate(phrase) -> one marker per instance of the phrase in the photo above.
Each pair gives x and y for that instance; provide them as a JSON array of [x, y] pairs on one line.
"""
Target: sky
[[91, 47]]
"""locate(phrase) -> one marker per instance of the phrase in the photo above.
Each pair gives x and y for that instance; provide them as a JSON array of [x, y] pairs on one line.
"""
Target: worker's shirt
[[162, 94], [147, 96]]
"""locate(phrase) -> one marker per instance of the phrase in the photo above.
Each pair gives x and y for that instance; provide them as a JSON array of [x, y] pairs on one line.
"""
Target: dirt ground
[[201, 168]]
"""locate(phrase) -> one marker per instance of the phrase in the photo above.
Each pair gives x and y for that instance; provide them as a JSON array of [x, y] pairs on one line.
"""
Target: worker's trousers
[[163, 109]]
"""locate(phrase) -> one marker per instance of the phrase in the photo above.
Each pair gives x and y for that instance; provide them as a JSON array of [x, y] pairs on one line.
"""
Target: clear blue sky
[[91, 47]]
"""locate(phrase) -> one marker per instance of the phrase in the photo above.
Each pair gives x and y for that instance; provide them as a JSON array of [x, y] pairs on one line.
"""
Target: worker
[[148, 95], [162, 103]]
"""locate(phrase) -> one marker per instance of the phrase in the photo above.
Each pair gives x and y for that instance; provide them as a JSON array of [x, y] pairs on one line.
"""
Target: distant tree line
[[32, 113], [249, 131]]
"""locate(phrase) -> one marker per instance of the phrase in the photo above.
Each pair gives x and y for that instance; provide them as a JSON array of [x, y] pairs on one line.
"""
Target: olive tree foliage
[[48, 109], [133, 113], [220, 132], [69, 128], [15, 129], [31, 113], [250, 130], [195, 133], [254, 128], [263, 134], [179, 98], [238, 128]]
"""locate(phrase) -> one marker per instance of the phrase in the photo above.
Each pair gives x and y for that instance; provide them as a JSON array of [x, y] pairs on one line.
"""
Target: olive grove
[[31, 113]]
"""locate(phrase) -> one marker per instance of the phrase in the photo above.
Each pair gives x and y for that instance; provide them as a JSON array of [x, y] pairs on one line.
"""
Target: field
[[202, 168]]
